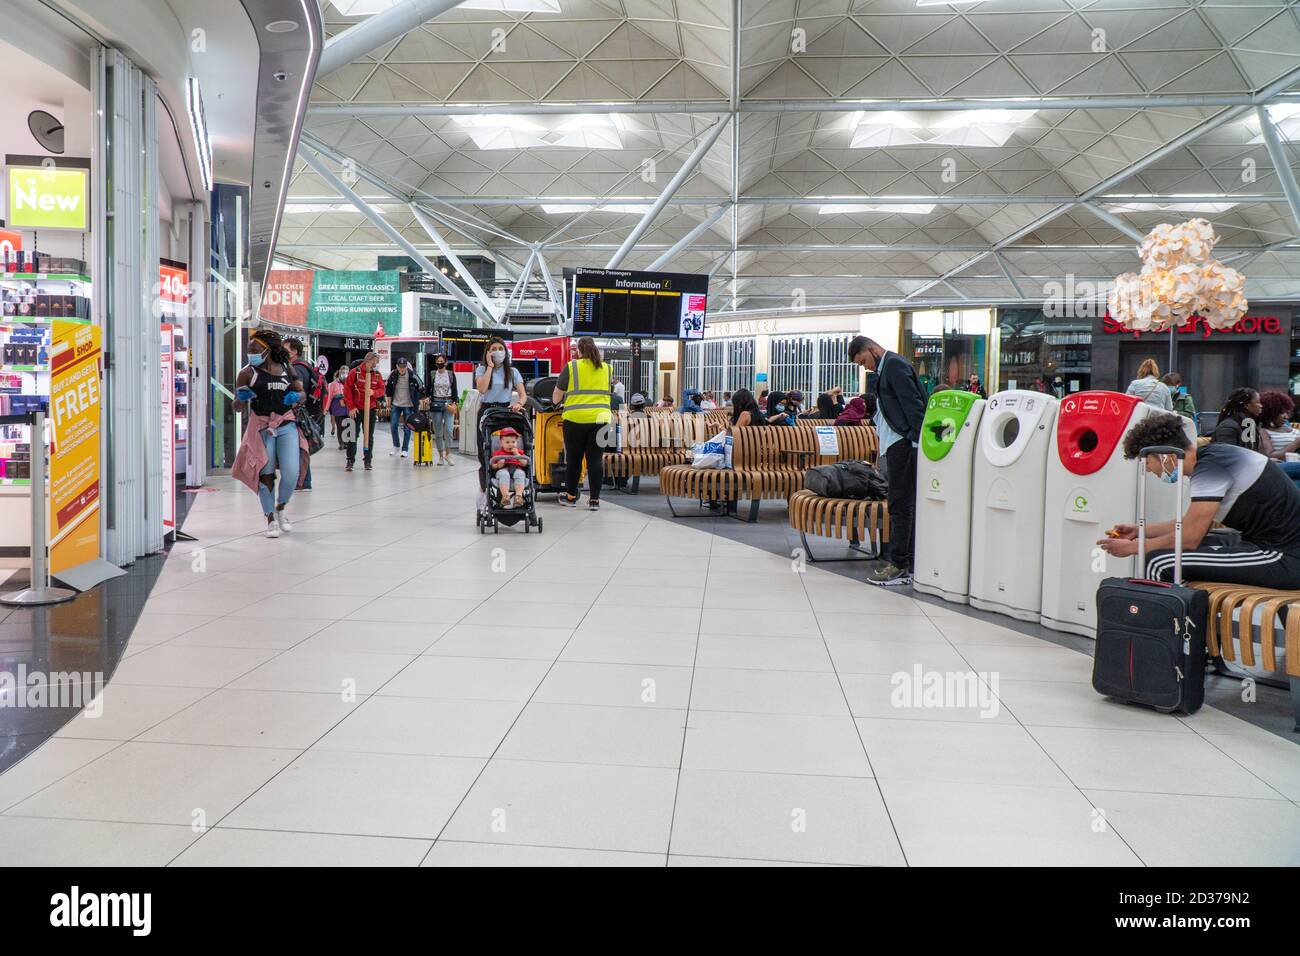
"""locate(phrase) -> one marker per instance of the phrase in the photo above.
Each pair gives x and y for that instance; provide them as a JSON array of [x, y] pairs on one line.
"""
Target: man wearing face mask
[[1231, 484], [501, 386]]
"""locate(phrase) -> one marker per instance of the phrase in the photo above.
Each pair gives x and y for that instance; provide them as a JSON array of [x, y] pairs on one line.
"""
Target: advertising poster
[[346, 301], [284, 300], [74, 445], [355, 301]]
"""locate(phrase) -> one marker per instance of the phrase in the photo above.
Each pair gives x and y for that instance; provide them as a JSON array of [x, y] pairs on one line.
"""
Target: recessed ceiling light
[[282, 26]]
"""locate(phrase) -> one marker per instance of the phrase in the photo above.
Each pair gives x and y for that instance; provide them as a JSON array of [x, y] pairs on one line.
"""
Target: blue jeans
[[281, 455], [396, 417], [1291, 469], [442, 429]]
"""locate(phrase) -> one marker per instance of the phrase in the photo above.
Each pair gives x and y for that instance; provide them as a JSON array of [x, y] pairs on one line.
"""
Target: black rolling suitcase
[[1150, 634]]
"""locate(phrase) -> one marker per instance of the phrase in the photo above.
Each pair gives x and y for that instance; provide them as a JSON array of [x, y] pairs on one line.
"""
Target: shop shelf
[[42, 277]]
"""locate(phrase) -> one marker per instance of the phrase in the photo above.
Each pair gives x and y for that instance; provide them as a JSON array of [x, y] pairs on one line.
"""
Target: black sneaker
[[568, 501], [593, 504], [890, 576]]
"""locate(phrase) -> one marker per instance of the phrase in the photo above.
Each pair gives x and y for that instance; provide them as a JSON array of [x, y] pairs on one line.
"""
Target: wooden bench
[[768, 462], [1242, 602], [650, 442], [854, 519]]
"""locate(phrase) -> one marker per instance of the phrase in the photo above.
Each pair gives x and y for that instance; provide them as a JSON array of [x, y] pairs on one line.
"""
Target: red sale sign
[[173, 283]]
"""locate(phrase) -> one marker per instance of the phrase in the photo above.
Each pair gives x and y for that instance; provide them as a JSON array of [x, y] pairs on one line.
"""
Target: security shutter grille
[[740, 364], [793, 364], [691, 356], [713, 368], [833, 365]]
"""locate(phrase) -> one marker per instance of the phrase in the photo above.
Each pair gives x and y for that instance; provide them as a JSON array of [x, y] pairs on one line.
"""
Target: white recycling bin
[[1090, 489], [941, 558], [1006, 529]]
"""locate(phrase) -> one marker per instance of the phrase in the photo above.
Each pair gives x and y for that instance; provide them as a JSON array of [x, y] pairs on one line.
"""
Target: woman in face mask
[[501, 386], [442, 407], [268, 392]]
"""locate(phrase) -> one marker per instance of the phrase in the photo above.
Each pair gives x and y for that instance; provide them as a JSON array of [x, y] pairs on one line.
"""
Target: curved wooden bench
[[768, 462], [1242, 601], [853, 519], [651, 442]]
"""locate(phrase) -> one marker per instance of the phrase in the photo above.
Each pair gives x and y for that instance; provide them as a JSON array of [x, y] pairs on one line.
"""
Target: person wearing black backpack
[[900, 408], [314, 401]]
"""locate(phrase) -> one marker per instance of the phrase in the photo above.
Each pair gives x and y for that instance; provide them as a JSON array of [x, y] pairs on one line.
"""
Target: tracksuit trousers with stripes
[[1242, 563]]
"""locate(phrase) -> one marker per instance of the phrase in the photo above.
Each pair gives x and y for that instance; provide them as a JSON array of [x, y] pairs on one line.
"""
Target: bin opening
[[943, 430], [1086, 441], [1007, 431]]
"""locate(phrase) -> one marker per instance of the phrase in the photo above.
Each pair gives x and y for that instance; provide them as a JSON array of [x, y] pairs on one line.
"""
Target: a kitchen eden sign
[[1249, 325]]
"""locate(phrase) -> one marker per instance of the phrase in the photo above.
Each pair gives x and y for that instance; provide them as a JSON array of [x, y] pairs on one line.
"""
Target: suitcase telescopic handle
[[1179, 454]]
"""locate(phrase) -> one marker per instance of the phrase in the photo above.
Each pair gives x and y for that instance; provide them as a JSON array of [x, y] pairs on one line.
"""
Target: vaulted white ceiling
[[838, 104]]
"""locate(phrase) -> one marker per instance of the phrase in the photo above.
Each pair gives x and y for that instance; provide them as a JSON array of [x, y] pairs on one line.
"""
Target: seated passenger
[[1239, 421], [1230, 484], [826, 408], [745, 410], [776, 409], [1279, 436], [510, 465], [690, 403], [858, 412]]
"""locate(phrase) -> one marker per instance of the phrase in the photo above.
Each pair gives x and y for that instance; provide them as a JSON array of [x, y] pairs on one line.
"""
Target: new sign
[[47, 197]]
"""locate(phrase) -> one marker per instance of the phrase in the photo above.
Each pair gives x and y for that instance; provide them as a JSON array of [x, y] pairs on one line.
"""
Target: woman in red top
[[365, 375]]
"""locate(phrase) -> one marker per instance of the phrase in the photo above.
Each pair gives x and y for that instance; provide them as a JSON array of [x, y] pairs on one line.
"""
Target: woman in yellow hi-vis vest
[[585, 389]]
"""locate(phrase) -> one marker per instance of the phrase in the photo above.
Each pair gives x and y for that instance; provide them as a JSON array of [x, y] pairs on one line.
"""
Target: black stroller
[[494, 513]]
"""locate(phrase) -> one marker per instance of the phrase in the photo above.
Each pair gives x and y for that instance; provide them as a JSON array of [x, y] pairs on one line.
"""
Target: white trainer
[[406, 455], [285, 525], [272, 529]]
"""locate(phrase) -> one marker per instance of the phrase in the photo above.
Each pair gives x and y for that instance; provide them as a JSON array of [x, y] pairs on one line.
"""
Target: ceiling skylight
[[1286, 120], [903, 209], [967, 128], [1202, 207], [511, 131], [366, 8], [627, 209]]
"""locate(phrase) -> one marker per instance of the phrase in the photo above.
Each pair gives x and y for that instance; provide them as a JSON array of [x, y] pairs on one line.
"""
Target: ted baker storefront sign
[[1249, 325]]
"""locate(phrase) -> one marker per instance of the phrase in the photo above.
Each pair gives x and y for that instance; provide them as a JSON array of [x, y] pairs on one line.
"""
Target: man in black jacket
[[900, 408]]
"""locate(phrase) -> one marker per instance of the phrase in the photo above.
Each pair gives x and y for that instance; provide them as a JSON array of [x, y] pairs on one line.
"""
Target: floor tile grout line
[[1051, 758], [686, 723], [857, 730], [524, 706]]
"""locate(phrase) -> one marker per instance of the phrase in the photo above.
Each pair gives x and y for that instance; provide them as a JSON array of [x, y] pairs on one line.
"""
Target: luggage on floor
[[1151, 634], [846, 479], [423, 447]]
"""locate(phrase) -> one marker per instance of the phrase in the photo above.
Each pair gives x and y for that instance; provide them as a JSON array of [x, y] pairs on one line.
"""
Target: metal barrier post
[[39, 591]]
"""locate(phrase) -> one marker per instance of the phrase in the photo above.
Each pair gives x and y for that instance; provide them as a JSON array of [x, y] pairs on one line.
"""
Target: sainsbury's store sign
[[1250, 325]]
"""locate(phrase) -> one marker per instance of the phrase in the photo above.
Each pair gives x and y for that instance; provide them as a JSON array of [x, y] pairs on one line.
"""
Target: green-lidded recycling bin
[[941, 564]]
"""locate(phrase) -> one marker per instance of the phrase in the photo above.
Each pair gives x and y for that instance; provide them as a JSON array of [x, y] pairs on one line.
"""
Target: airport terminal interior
[[650, 433]]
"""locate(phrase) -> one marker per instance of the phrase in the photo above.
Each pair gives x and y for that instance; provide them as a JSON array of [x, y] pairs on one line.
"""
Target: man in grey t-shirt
[[404, 392]]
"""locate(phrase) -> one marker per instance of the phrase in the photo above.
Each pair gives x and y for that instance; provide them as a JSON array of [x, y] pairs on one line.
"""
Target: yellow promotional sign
[[74, 444], [48, 197]]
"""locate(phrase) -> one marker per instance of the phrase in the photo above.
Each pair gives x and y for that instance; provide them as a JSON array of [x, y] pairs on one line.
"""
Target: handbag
[[310, 431]]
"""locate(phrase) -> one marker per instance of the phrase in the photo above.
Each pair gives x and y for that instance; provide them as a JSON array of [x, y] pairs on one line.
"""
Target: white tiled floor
[[387, 686]]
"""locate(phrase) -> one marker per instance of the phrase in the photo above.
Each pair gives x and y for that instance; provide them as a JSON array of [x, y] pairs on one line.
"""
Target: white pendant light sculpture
[[1180, 278]]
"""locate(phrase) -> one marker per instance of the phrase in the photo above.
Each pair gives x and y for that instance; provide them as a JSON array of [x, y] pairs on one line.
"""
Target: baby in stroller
[[509, 465]]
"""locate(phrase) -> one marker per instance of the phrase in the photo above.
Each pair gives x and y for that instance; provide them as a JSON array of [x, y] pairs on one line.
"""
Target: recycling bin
[[1009, 476], [1091, 488], [941, 560]]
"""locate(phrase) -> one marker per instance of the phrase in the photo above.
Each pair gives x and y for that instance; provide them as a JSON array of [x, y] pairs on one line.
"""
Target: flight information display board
[[613, 303]]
